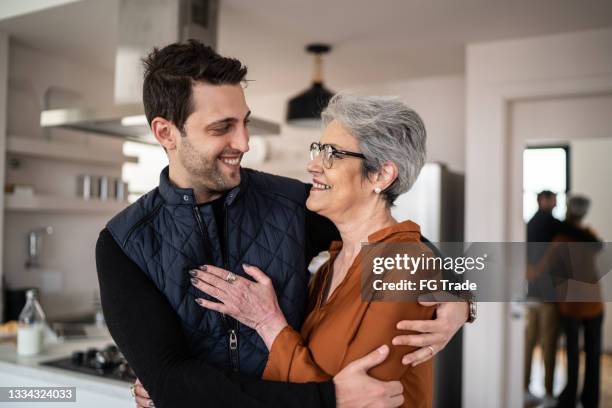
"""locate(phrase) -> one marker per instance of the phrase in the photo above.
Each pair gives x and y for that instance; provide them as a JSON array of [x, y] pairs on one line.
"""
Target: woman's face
[[338, 192]]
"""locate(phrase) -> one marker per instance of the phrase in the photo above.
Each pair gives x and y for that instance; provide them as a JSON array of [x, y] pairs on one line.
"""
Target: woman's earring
[[377, 190]]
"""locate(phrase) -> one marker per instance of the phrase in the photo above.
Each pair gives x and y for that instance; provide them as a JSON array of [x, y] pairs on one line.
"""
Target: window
[[545, 168], [144, 175]]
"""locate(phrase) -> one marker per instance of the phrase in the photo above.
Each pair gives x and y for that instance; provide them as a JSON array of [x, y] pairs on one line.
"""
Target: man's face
[[215, 137], [548, 203]]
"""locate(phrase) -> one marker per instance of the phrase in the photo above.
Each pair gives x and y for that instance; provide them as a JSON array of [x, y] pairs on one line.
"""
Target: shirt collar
[[398, 231], [175, 195]]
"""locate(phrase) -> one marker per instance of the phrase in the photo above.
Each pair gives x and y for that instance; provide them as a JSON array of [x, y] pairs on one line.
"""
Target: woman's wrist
[[268, 330]]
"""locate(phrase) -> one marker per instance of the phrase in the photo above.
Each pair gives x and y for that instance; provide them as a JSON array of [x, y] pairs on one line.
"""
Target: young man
[[208, 210], [542, 316]]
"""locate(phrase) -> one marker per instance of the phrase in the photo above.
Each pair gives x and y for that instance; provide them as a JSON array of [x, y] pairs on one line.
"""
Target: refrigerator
[[436, 203]]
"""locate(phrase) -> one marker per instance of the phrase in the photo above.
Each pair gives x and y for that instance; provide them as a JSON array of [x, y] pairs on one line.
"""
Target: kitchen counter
[[91, 391]]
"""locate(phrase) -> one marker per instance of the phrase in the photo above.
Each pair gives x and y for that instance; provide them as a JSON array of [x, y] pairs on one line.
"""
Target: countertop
[[25, 369]]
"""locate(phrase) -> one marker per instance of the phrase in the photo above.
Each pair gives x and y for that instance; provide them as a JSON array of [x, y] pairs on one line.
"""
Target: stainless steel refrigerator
[[436, 203]]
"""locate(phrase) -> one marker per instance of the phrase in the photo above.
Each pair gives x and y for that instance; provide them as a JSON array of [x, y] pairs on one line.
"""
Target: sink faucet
[[35, 246]]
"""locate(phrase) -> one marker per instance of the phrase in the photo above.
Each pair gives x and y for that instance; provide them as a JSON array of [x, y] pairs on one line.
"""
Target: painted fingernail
[[199, 301], [203, 267], [194, 281], [193, 272]]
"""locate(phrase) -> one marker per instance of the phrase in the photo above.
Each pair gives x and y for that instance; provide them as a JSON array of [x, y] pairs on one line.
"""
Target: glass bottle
[[31, 327]]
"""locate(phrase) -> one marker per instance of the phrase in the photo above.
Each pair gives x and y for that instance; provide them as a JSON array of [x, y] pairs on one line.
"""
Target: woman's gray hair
[[387, 131]]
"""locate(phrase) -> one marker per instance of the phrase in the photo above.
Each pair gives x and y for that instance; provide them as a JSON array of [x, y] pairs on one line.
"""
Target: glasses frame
[[330, 152]]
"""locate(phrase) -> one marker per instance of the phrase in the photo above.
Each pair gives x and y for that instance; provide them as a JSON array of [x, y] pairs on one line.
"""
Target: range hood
[[144, 24]]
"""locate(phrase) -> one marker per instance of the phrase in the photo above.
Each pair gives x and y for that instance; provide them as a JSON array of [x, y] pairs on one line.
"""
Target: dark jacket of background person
[[541, 228]]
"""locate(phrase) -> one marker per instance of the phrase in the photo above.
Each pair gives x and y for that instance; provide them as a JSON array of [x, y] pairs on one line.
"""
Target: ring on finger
[[231, 277], [132, 391]]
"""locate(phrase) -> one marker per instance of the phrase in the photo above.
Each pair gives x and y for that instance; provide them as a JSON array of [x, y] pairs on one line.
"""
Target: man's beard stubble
[[204, 171]]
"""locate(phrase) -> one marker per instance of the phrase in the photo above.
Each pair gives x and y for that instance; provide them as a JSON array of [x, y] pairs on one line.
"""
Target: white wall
[[67, 277], [4, 53], [441, 103], [498, 75], [591, 169]]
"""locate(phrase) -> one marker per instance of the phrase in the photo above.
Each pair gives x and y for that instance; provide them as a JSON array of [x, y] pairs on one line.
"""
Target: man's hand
[[141, 396], [435, 334], [355, 389]]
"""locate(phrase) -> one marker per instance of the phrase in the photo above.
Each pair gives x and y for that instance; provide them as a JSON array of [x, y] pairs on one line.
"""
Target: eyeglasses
[[329, 153]]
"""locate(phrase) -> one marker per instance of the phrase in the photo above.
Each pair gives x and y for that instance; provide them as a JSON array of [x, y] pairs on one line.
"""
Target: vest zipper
[[233, 332]]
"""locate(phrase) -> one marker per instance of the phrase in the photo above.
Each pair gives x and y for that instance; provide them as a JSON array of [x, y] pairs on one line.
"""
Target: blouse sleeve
[[290, 360]]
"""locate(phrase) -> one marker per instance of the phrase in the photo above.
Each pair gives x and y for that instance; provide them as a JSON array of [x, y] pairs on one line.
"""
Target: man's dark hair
[[171, 71], [545, 194]]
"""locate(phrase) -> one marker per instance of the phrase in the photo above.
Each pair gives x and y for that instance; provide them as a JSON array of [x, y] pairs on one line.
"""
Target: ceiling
[[373, 41]]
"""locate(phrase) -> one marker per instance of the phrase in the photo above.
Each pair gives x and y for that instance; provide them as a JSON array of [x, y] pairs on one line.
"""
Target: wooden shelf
[[58, 204], [28, 147]]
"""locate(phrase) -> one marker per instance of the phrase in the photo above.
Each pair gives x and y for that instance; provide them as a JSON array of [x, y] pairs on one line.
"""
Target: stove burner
[[107, 362]]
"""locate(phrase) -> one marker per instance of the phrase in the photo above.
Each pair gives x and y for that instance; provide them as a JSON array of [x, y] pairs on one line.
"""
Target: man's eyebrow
[[227, 120]]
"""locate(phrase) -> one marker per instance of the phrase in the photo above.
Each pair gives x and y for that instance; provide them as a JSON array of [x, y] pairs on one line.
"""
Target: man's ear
[[387, 175], [165, 132]]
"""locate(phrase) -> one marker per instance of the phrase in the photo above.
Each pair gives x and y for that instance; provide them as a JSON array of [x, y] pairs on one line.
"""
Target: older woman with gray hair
[[371, 151]]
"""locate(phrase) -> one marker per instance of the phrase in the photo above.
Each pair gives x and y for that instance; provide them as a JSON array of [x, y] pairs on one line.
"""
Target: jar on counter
[[31, 327]]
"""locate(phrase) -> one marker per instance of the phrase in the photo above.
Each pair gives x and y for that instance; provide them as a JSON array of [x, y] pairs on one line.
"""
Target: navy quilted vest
[[264, 227]]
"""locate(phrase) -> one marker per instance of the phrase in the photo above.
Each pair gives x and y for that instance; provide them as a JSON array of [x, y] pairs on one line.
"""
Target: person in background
[[587, 316], [542, 316]]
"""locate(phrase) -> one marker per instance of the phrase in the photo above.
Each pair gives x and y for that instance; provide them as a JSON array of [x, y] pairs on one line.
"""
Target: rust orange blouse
[[347, 328]]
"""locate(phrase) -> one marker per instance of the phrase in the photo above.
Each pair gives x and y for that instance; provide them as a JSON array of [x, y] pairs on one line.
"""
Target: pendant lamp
[[304, 110]]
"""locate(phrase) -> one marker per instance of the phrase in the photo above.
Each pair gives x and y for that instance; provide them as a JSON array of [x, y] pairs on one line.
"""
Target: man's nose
[[240, 141]]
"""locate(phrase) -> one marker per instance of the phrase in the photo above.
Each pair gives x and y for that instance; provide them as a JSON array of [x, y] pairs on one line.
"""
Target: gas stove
[[107, 362]]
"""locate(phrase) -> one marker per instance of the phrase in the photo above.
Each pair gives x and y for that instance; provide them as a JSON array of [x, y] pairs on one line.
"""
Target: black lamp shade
[[305, 109]]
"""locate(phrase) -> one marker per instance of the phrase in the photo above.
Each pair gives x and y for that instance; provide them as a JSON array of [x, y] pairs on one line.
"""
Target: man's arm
[[435, 334], [147, 331]]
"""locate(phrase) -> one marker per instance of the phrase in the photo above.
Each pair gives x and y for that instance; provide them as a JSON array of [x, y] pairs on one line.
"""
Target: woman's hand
[[252, 303], [434, 334]]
